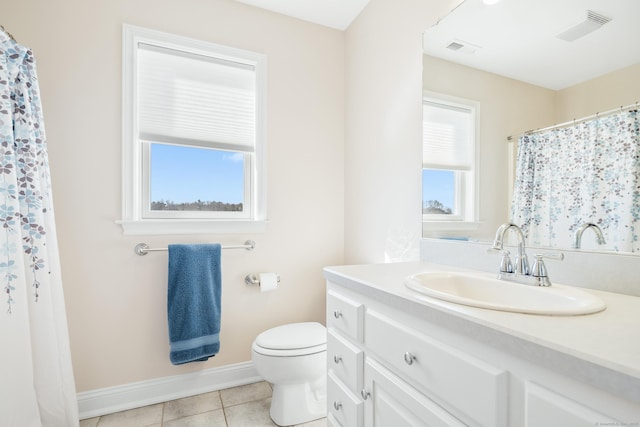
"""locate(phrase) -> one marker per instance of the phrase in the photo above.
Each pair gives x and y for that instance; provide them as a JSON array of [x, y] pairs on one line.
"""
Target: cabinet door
[[390, 402], [546, 408]]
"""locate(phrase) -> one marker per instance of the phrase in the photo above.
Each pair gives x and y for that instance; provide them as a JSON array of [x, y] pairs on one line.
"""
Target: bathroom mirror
[[532, 64]]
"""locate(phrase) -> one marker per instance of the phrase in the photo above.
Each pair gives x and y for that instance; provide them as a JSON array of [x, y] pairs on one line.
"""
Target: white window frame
[[136, 217], [466, 182]]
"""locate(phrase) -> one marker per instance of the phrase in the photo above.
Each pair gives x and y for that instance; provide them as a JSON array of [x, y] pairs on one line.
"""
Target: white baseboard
[[134, 395]]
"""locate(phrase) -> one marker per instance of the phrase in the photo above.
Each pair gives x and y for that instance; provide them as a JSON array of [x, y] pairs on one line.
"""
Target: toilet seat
[[289, 353], [295, 339]]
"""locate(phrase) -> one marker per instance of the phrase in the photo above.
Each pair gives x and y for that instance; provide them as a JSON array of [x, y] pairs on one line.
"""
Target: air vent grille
[[594, 21], [597, 17], [462, 46]]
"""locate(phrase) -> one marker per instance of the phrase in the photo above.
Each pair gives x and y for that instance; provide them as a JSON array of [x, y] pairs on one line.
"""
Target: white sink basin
[[485, 292]]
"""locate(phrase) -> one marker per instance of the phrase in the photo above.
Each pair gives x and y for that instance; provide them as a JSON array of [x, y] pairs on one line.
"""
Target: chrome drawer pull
[[337, 314], [337, 359], [365, 394], [409, 358], [337, 406]]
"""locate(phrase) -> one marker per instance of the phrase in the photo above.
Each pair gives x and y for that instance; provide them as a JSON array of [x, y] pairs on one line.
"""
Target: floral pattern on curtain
[[24, 175], [37, 380], [585, 173]]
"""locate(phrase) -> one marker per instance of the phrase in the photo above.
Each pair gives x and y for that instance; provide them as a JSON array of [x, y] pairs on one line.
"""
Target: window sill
[[177, 226], [430, 227]]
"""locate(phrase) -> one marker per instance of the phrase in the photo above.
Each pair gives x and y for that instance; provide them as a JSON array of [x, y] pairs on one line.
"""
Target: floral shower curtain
[[588, 172], [36, 386]]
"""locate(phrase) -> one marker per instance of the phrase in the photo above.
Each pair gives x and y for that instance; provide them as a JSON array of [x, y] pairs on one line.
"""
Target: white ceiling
[[517, 38], [331, 13]]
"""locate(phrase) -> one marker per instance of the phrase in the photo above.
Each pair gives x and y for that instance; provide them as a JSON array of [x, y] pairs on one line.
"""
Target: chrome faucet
[[577, 241], [522, 263], [537, 275]]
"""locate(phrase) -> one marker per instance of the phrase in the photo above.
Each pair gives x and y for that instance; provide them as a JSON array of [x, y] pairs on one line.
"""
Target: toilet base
[[299, 403]]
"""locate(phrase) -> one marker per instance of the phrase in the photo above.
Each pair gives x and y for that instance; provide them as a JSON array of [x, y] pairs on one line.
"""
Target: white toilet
[[293, 358]]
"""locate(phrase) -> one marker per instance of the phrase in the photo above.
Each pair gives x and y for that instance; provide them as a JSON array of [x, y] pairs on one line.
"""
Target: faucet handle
[[550, 255], [506, 266], [539, 270]]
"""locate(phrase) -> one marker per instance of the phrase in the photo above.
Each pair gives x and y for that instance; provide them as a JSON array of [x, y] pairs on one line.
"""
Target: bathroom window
[[449, 161], [193, 132]]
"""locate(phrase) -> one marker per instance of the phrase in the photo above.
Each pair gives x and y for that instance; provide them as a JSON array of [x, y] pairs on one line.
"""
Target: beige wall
[[116, 300], [613, 90], [507, 108], [383, 129]]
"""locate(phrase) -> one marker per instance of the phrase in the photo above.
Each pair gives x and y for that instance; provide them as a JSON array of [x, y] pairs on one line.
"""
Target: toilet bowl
[[293, 359]]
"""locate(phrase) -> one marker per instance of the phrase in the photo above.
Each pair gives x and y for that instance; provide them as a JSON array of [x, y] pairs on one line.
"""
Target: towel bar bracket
[[141, 249]]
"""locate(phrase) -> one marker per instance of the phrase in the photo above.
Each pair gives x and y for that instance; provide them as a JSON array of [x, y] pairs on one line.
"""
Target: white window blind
[[447, 133], [195, 99]]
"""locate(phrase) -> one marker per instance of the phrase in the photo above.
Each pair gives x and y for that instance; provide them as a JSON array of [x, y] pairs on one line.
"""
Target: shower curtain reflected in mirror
[[588, 172], [37, 386]]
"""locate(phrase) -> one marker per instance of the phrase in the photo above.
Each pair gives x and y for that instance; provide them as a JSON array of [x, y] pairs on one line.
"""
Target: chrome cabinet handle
[[337, 359], [337, 405], [337, 314], [365, 394], [409, 358]]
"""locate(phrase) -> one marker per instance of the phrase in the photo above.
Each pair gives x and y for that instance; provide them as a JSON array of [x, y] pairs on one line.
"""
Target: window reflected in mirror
[[448, 159]]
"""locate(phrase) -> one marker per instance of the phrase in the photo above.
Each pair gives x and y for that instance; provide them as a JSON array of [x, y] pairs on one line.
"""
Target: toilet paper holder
[[252, 279]]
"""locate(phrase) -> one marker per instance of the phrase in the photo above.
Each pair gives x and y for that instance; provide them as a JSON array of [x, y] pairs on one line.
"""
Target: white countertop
[[602, 348]]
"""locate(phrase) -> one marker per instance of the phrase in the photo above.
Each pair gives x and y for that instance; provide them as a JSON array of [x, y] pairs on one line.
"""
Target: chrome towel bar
[[143, 249]]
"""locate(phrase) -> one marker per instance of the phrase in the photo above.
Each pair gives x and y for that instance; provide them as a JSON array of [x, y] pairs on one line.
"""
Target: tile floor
[[244, 406]]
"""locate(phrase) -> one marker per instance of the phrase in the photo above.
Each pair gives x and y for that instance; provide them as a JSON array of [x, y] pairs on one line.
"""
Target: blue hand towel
[[193, 302]]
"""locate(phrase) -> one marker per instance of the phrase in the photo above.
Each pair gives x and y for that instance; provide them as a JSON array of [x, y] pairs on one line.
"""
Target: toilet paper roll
[[268, 282]]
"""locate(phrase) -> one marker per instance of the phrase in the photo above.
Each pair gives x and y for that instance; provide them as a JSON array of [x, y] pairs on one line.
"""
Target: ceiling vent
[[455, 46], [593, 22], [460, 46]]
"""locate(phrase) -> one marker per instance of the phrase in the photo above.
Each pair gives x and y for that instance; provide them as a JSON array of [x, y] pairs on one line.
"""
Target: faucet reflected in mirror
[[536, 275], [577, 242]]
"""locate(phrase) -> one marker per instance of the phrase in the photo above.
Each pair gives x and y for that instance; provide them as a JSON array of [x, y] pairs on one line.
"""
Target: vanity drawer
[[473, 389], [345, 315], [345, 360], [344, 406]]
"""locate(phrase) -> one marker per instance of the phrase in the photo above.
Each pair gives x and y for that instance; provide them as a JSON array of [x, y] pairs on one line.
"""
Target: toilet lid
[[293, 336]]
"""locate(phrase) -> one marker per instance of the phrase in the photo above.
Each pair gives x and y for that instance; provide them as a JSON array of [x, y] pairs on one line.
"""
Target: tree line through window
[[198, 205]]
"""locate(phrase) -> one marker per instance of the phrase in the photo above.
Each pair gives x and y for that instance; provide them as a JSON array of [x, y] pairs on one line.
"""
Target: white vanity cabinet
[[394, 362], [385, 373]]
